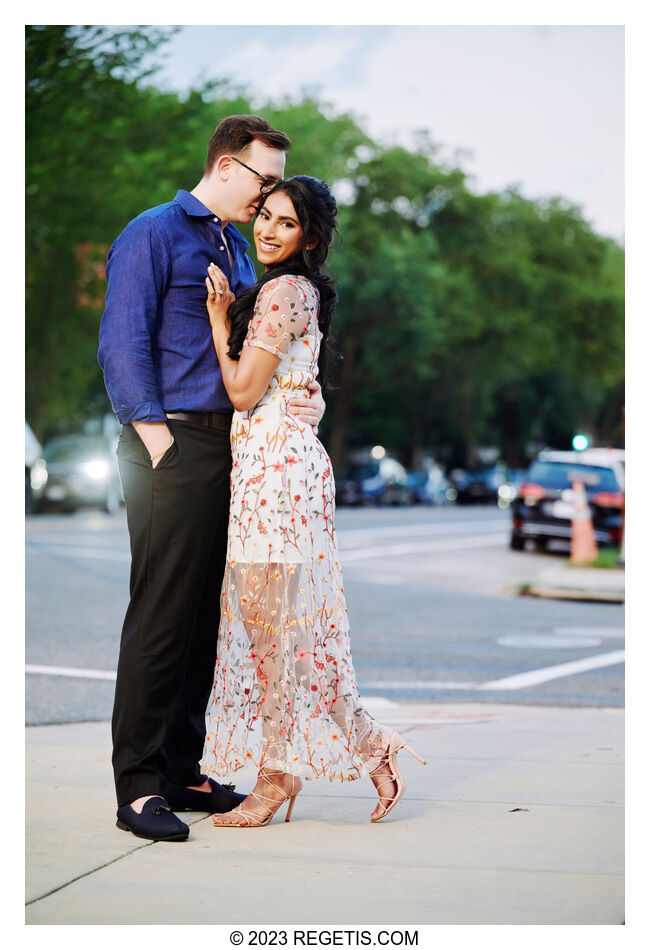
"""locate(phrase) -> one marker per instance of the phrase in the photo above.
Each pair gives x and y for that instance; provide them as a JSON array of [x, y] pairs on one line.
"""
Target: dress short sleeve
[[282, 315]]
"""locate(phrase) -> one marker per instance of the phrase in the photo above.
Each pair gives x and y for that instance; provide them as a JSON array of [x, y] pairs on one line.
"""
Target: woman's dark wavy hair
[[316, 210]]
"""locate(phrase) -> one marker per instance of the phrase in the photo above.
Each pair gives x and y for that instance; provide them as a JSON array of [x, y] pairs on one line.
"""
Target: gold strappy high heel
[[250, 819], [396, 743]]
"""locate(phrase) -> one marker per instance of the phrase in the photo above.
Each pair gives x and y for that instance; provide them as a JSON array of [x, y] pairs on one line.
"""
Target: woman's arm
[[281, 317], [247, 379]]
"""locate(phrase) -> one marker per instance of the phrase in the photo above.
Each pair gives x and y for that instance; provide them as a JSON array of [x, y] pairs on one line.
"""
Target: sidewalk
[[579, 583], [516, 819]]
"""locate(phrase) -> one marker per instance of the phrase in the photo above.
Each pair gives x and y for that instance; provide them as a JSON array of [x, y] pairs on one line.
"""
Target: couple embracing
[[235, 647]]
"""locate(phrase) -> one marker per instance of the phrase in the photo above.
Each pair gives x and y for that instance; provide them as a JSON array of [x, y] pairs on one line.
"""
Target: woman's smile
[[266, 246]]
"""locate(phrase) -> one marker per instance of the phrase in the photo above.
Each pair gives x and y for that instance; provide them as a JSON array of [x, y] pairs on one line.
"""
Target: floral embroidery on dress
[[285, 693]]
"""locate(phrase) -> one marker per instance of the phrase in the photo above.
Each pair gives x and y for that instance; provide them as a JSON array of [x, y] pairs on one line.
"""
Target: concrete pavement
[[516, 819]]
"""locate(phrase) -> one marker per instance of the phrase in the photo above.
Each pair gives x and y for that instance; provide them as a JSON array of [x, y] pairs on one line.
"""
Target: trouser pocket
[[171, 457], [131, 446]]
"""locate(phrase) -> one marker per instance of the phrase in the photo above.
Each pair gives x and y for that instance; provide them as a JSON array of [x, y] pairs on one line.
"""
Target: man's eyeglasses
[[268, 184]]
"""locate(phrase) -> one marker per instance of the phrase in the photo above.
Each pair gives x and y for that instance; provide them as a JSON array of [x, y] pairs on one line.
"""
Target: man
[[164, 382]]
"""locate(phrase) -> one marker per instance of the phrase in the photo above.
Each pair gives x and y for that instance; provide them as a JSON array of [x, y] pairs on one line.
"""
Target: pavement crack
[[79, 877]]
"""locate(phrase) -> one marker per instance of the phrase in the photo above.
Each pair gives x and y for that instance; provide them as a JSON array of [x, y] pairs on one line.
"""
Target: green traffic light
[[580, 442]]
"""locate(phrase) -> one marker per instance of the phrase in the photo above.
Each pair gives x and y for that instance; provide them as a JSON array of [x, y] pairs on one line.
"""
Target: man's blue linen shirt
[[155, 341]]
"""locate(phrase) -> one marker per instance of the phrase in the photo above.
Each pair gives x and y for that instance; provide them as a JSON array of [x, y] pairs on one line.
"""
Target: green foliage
[[465, 319]]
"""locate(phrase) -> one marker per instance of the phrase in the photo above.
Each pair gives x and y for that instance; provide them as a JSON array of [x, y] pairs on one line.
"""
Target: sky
[[540, 107]]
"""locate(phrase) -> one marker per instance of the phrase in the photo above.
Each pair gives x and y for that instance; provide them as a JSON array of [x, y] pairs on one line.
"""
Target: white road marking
[[412, 684], [72, 671], [531, 678], [605, 632], [545, 641], [519, 681], [351, 535], [453, 544], [430, 528], [378, 579], [354, 554], [380, 702], [87, 537], [102, 554], [108, 675]]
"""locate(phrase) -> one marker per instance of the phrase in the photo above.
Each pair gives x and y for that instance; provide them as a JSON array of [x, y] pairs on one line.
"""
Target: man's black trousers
[[177, 516]]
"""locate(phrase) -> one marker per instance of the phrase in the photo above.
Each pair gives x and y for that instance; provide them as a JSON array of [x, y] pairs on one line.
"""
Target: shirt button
[[222, 248], [216, 220]]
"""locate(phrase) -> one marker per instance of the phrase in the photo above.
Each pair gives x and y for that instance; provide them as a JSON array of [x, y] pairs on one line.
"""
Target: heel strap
[[267, 776], [397, 743]]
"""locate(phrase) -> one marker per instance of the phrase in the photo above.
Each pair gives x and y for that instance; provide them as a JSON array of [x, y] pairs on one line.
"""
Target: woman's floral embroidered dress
[[285, 694]]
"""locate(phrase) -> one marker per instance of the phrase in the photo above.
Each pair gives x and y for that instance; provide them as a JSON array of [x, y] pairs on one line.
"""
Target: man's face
[[242, 186]]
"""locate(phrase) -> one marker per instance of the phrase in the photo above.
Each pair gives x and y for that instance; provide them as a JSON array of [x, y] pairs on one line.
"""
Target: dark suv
[[544, 506]]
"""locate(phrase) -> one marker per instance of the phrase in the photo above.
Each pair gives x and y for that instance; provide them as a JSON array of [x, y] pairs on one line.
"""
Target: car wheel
[[516, 542]]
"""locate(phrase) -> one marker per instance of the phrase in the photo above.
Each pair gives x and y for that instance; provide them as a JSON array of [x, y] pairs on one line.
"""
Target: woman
[[285, 695]]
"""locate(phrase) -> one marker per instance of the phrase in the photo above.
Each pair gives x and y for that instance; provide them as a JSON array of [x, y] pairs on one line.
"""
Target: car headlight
[[38, 474], [97, 469]]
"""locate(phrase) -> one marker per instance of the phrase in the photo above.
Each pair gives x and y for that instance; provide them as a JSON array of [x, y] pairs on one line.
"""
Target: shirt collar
[[192, 205], [233, 233], [196, 209]]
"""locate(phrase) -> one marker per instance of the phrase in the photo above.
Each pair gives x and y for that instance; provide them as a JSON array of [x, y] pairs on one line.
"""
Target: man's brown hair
[[236, 133]]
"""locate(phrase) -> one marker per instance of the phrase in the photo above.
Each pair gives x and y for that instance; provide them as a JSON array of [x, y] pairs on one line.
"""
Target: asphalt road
[[432, 599]]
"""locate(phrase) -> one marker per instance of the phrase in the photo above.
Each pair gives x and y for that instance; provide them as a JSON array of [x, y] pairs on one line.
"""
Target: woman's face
[[277, 231]]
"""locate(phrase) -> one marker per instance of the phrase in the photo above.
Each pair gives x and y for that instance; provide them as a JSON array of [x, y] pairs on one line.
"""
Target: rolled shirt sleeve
[[137, 273]]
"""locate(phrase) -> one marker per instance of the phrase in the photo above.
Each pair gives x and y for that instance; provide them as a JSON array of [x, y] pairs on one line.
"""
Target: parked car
[[430, 487], [479, 484], [77, 471], [33, 452], [375, 482], [544, 506]]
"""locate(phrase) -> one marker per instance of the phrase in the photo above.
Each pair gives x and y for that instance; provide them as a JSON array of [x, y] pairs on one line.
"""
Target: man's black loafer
[[222, 798], [157, 821]]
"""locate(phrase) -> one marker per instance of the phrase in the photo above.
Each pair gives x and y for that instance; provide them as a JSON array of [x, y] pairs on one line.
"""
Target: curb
[[573, 593]]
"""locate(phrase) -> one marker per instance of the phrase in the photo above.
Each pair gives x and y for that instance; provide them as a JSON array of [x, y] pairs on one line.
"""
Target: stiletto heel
[[407, 748], [394, 778], [248, 819], [290, 808]]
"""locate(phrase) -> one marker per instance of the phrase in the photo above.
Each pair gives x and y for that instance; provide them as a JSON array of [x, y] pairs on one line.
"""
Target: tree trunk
[[509, 428], [466, 421]]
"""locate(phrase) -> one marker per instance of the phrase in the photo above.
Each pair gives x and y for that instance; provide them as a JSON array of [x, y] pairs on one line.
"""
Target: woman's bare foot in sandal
[[387, 778], [387, 787], [271, 790]]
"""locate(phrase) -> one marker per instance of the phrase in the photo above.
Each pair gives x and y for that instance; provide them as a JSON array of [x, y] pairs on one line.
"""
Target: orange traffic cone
[[583, 539]]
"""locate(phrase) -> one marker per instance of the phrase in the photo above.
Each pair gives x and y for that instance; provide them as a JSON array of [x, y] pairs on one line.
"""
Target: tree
[[465, 319], [81, 85]]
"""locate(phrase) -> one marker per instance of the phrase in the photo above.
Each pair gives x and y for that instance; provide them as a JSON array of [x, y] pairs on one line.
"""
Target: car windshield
[[563, 474], [74, 449]]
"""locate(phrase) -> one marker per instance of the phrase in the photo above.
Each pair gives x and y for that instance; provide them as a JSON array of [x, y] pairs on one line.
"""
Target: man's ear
[[223, 166]]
